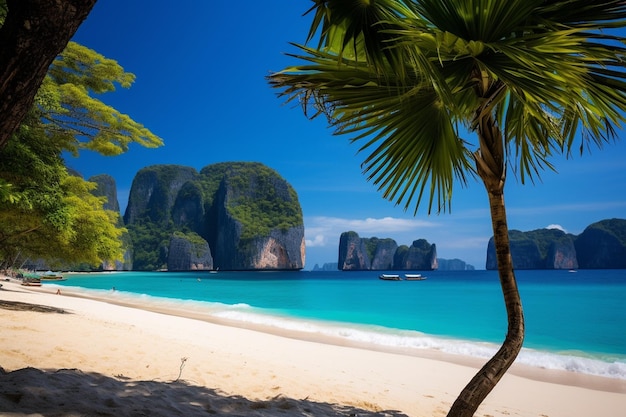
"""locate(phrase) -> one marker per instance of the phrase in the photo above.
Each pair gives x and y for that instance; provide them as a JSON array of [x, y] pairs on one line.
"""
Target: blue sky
[[201, 68]]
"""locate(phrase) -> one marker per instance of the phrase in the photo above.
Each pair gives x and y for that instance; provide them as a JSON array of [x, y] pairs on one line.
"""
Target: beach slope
[[67, 355]]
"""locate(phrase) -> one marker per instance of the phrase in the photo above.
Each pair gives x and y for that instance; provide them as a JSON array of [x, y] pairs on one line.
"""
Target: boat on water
[[414, 277], [51, 276], [390, 277]]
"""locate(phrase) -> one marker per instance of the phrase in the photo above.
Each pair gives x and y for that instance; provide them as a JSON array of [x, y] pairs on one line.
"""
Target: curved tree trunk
[[491, 168], [33, 34]]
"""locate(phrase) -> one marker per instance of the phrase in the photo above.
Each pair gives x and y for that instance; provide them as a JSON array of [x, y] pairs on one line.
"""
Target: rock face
[[453, 265], [106, 187], [383, 252], [154, 191], [353, 254], [233, 216], [421, 255], [188, 254], [357, 254], [255, 218], [602, 245], [538, 249], [328, 266]]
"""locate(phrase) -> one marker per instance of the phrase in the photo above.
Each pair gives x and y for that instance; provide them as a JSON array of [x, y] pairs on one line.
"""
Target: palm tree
[[522, 79]]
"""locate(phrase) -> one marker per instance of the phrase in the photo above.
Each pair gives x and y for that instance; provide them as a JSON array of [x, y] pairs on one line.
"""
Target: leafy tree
[[52, 215], [47, 213], [32, 34], [406, 78], [68, 109], [68, 105]]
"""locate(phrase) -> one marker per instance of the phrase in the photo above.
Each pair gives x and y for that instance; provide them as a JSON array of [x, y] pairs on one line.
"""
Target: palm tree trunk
[[491, 168]]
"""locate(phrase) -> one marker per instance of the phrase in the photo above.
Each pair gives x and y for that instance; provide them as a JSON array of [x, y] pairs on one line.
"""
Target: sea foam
[[578, 362], [607, 366]]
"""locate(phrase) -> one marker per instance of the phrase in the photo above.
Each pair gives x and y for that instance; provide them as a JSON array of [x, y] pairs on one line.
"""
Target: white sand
[[105, 359]]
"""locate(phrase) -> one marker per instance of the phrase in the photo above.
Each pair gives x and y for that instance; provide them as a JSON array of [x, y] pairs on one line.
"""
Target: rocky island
[[228, 216], [356, 254], [602, 245]]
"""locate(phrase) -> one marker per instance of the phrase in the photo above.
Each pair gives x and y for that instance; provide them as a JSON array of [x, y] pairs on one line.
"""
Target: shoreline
[[541, 374], [286, 363]]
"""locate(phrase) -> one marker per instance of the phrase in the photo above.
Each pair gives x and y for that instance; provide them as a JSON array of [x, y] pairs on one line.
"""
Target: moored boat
[[414, 277], [389, 277], [51, 276], [32, 282]]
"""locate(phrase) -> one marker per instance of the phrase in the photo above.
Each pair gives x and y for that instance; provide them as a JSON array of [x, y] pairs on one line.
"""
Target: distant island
[[444, 265], [365, 254], [244, 216], [602, 245], [228, 216]]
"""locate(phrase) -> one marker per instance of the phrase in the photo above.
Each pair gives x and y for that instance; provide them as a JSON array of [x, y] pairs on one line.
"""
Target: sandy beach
[[66, 355]]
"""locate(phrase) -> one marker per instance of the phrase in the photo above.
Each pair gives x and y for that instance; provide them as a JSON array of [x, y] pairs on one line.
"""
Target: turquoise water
[[574, 321]]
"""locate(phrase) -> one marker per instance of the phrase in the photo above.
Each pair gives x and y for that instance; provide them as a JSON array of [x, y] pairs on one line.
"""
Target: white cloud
[[318, 240], [368, 225], [556, 226], [322, 231]]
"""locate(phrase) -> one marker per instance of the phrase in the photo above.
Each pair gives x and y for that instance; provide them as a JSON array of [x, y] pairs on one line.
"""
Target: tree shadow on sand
[[71, 392]]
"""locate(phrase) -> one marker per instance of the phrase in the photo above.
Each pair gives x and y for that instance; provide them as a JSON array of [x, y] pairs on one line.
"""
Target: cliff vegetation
[[234, 215]]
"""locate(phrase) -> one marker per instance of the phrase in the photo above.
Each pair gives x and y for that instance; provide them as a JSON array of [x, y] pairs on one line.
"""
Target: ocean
[[575, 321]]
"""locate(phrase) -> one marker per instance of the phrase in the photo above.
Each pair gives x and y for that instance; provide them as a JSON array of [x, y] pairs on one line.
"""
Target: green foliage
[[404, 77], [150, 243], [542, 238], [67, 104], [52, 215], [45, 213], [197, 242], [351, 234], [259, 201], [421, 244], [370, 246], [255, 197], [615, 227], [150, 224]]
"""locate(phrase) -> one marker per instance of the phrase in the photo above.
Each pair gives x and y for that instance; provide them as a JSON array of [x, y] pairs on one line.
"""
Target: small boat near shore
[[390, 277], [54, 278], [51, 276], [414, 277], [32, 282]]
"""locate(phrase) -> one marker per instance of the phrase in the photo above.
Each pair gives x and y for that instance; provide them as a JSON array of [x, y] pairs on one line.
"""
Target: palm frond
[[399, 76]]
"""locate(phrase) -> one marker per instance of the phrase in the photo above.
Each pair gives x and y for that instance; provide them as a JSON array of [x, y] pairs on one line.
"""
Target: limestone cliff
[[538, 249], [453, 265], [356, 253], [383, 251], [602, 245], [421, 255], [328, 266], [255, 220], [353, 254], [188, 253], [247, 216], [154, 191], [106, 187]]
